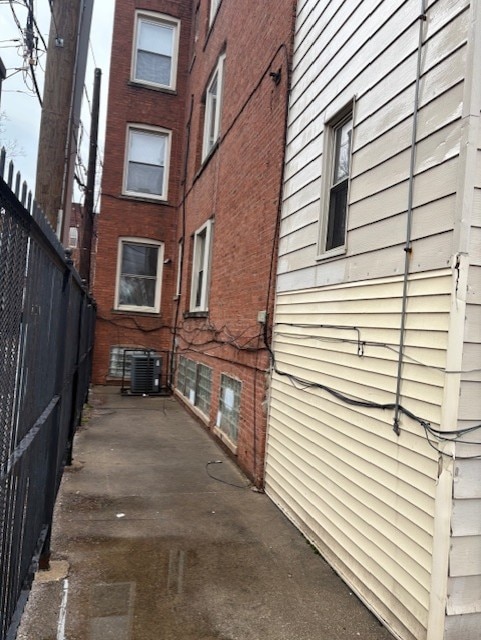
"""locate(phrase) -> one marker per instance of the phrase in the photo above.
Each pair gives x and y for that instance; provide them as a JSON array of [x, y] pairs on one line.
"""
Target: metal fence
[[46, 337]]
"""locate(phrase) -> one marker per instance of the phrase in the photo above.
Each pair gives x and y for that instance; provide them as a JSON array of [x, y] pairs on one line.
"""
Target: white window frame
[[203, 266], [162, 20], [331, 127], [158, 278], [73, 238], [211, 111], [180, 253], [158, 131], [214, 7]]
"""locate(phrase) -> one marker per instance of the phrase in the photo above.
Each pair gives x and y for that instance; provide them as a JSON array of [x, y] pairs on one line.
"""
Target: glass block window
[[117, 360], [204, 388], [194, 381], [229, 407], [190, 380], [181, 366]]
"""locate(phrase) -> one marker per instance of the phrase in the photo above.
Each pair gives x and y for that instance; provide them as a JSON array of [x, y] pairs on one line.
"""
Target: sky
[[19, 103]]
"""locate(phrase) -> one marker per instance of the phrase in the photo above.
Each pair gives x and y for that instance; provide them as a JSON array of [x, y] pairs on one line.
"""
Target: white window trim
[[148, 129], [178, 282], [331, 124], [160, 18], [73, 238], [219, 71], [158, 280], [214, 7], [206, 268]]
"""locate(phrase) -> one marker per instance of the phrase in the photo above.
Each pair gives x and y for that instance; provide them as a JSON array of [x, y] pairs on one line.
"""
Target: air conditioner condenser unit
[[145, 373]]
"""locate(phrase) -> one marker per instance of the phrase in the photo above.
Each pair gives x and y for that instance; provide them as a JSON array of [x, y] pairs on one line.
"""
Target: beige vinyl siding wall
[[338, 471], [364, 496], [464, 587], [368, 50]]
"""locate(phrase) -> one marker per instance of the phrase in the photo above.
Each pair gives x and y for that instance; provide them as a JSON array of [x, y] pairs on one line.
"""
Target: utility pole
[[3, 74], [64, 78], [86, 249]]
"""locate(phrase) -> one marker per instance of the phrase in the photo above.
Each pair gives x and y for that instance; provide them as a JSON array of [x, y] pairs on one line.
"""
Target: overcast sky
[[18, 99]]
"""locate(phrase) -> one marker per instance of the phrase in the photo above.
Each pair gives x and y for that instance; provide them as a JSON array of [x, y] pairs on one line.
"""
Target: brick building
[[204, 241]]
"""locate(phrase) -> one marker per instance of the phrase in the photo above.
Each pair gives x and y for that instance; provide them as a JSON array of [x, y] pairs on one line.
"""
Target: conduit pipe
[[408, 243]]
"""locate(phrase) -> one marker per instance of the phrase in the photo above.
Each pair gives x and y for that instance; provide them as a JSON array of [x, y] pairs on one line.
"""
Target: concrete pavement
[[147, 546]]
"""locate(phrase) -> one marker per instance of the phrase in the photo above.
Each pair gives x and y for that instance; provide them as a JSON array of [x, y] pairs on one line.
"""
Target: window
[[194, 381], [180, 252], [336, 173], [214, 5], [204, 388], [201, 268], [139, 274], [229, 407], [121, 360], [155, 52], [73, 238], [148, 151], [213, 107]]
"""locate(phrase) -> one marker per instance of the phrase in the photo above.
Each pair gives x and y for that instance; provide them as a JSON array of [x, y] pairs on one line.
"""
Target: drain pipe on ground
[[408, 243]]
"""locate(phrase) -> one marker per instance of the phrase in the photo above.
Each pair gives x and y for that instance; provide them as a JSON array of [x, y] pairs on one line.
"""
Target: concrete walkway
[[147, 546]]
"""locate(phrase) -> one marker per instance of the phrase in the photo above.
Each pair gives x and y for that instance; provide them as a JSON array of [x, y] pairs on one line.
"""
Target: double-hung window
[[139, 275], [201, 268], [156, 50], [336, 175], [213, 108], [147, 162]]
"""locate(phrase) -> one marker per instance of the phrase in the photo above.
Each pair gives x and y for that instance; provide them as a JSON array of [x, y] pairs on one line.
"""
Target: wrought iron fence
[[46, 338]]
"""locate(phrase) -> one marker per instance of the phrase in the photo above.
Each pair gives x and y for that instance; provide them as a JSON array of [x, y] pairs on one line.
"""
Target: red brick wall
[[126, 216], [239, 186]]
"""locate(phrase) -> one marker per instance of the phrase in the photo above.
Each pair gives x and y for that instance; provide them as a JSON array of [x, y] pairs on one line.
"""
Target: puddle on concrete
[[138, 590], [111, 611]]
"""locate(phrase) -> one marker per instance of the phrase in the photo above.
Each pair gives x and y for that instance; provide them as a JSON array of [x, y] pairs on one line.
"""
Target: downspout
[[408, 243], [182, 248]]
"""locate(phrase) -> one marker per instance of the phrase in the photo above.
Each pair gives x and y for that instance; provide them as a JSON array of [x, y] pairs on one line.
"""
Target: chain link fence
[[46, 338]]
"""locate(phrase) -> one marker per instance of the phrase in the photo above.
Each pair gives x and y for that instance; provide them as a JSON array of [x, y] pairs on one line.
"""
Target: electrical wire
[[231, 484]]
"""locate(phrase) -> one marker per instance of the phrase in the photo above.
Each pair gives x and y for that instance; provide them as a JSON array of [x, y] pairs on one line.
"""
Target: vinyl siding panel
[[369, 50], [362, 494], [338, 470]]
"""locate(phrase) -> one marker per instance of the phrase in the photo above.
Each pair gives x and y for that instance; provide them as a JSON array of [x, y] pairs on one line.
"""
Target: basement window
[[117, 355], [229, 407], [194, 381]]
